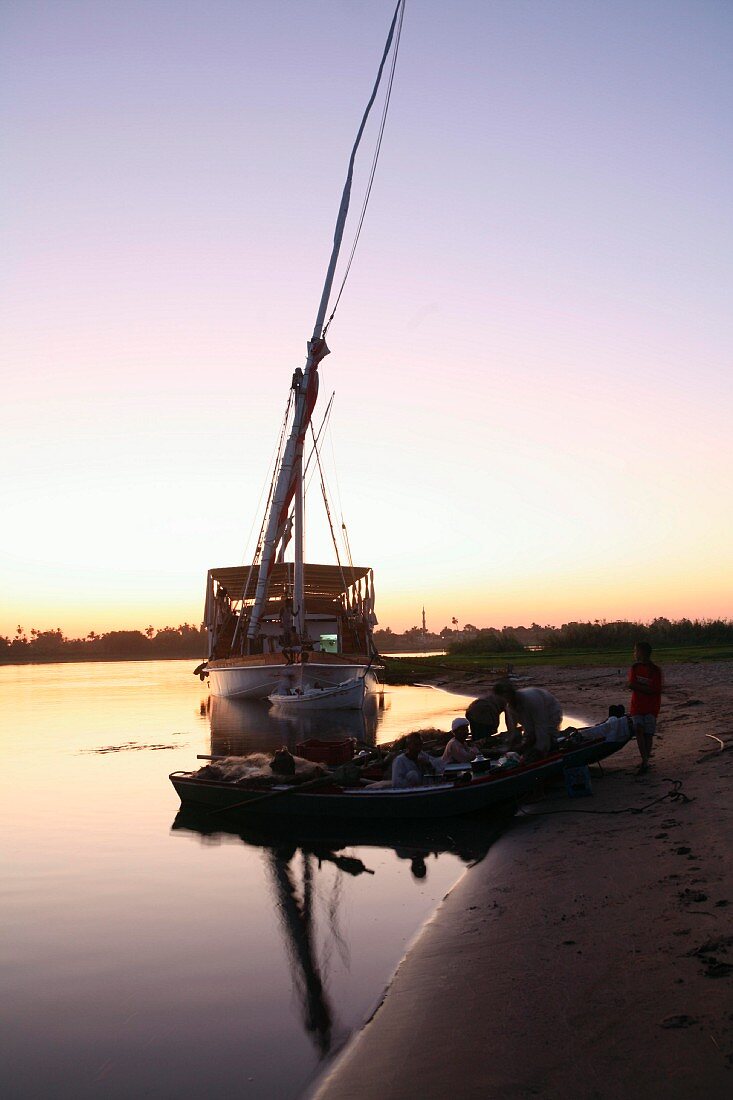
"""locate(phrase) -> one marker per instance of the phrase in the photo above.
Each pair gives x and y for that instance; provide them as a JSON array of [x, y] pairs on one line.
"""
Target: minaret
[[424, 629]]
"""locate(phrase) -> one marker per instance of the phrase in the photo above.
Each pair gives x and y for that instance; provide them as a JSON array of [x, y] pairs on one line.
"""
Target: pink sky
[[532, 359]]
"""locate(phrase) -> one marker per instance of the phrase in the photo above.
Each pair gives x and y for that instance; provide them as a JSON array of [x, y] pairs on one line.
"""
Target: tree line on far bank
[[584, 636], [116, 645], [190, 641]]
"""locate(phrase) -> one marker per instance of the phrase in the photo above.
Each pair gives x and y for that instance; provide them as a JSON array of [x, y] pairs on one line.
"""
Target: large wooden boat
[[275, 626], [332, 644], [438, 797]]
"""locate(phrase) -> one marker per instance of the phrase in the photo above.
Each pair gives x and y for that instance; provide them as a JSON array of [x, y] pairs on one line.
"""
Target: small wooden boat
[[348, 695], [438, 797]]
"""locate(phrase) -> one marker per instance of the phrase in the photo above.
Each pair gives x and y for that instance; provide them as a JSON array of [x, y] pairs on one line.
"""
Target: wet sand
[[590, 954]]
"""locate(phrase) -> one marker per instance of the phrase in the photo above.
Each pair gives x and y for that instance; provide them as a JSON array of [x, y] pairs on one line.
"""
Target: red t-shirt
[[650, 675]]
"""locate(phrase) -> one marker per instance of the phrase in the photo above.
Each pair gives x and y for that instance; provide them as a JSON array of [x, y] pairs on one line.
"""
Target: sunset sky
[[532, 358]]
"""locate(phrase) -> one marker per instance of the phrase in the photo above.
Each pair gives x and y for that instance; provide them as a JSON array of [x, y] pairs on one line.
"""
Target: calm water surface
[[150, 953]]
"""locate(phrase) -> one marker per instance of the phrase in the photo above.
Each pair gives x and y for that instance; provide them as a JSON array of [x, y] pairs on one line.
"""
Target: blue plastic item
[[577, 781]]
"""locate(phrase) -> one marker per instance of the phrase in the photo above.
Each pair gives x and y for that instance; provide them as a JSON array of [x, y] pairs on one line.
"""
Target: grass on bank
[[406, 670]]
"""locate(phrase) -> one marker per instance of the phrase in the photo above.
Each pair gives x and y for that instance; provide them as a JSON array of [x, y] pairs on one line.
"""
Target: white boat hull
[[349, 695], [261, 681]]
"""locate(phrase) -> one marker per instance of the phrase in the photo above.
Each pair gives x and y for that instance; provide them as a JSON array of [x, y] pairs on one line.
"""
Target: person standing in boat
[[457, 751], [537, 712], [645, 681], [412, 765], [483, 715]]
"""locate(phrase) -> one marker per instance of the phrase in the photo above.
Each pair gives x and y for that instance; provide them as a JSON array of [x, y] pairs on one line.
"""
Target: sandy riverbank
[[590, 954]]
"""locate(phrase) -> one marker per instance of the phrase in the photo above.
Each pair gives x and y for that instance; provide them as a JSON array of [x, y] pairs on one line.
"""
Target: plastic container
[[577, 781]]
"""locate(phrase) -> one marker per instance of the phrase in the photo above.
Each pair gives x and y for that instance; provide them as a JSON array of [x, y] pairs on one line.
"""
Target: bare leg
[[643, 740]]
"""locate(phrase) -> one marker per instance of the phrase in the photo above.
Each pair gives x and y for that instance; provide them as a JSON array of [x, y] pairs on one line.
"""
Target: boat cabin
[[339, 611]]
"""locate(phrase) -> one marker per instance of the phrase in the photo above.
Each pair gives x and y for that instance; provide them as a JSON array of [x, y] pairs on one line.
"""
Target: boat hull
[[439, 799], [260, 681], [346, 696]]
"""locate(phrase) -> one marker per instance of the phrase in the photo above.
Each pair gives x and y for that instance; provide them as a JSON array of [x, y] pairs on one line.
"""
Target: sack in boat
[[256, 770], [613, 730]]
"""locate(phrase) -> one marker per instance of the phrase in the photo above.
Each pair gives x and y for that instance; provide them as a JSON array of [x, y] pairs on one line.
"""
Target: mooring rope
[[674, 795]]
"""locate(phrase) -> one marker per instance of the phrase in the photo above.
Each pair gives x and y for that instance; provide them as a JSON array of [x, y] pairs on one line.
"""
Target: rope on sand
[[676, 794]]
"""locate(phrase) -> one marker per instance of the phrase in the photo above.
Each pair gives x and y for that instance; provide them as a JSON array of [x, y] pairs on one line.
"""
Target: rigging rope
[[397, 18], [328, 510], [258, 548], [274, 466], [324, 422]]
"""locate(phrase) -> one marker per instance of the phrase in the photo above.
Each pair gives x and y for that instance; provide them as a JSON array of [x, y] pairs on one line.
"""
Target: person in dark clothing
[[483, 715]]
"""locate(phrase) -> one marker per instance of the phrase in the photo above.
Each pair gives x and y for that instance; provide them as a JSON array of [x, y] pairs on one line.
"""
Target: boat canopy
[[321, 582]]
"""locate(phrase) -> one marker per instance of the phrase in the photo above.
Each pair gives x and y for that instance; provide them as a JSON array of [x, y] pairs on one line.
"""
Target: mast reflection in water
[[296, 856], [297, 922]]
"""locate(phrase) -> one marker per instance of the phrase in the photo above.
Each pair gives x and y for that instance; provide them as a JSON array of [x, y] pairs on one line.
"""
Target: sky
[[532, 356]]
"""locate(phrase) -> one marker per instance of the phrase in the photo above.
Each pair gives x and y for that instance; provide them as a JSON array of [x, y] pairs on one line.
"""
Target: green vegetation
[[599, 636], [45, 646], [408, 670]]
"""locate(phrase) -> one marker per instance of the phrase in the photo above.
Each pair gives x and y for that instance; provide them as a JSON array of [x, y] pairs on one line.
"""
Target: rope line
[[675, 795], [401, 10], [328, 509], [256, 557]]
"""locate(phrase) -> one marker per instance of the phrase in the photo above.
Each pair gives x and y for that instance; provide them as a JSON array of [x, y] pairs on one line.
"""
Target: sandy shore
[[590, 954]]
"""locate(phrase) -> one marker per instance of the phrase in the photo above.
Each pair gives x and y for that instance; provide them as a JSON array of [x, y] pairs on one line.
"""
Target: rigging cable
[[399, 11], [324, 423], [274, 466], [328, 510], [258, 548]]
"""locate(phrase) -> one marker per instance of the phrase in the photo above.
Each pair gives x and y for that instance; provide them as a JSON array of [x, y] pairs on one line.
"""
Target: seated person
[[412, 765], [457, 751]]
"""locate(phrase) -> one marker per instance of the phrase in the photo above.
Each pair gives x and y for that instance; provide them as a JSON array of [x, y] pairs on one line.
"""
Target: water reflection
[[110, 920], [240, 726], [296, 916], [294, 860]]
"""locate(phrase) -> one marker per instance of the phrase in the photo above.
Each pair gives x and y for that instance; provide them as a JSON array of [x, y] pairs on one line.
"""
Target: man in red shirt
[[646, 682]]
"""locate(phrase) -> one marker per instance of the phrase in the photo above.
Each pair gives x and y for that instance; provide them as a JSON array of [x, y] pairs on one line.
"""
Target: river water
[[150, 953]]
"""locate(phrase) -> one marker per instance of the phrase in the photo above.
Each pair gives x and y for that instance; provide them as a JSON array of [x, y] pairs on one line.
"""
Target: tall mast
[[305, 383]]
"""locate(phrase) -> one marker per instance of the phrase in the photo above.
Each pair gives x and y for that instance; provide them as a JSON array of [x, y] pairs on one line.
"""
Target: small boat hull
[[349, 695], [437, 799]]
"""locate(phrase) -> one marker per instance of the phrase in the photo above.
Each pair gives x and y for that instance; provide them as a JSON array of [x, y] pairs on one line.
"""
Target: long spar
[[290, 482]]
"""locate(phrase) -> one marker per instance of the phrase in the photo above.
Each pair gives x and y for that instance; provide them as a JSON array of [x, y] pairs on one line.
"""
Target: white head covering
[[459, 724]]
